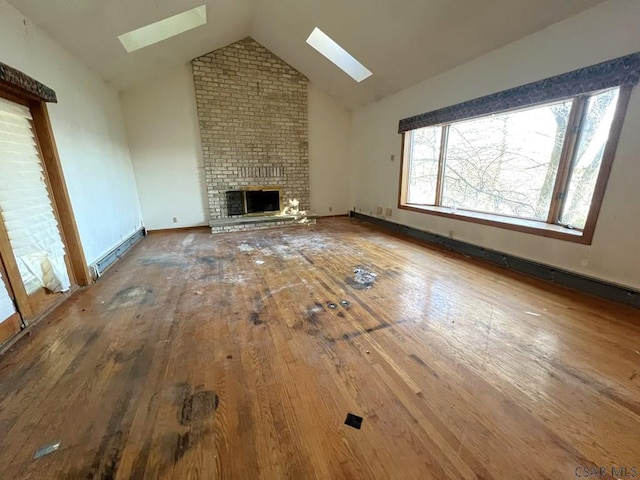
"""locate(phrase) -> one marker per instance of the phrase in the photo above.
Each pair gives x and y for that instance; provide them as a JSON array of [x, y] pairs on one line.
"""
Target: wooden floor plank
[[231, 356]]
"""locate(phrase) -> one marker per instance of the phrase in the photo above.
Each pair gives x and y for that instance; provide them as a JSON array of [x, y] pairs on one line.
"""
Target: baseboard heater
[[101, 265], [574, 281]]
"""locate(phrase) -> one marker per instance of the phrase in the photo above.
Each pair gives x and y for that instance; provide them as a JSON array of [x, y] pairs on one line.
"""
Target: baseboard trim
[[100, 266], [195, 228], [565, 278]]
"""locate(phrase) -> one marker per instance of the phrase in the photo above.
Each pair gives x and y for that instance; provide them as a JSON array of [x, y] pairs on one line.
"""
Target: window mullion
[[441, 164], [563, 174]]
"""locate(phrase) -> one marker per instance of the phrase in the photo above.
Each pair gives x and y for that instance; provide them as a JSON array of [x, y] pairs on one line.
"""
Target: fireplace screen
[[241, 202]]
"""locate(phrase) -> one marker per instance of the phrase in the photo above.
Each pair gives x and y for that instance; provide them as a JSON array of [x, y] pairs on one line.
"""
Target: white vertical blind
[[6, 305], [25, 205]]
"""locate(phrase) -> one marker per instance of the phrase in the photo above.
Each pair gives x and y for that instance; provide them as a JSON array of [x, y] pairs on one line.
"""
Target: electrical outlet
[[331, 209], [393, 158], [450, 233], [387, 212], [379, 211], [175, 219]]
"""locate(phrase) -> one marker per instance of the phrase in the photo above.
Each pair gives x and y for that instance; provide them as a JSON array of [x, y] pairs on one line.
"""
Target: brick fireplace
[[252, 110]]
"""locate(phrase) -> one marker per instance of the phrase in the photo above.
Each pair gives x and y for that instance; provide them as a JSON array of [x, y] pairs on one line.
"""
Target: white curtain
[[25, 205]]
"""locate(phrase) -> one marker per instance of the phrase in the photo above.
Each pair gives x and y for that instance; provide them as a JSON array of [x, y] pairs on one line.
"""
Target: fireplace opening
[[262, 201], [242, 202]]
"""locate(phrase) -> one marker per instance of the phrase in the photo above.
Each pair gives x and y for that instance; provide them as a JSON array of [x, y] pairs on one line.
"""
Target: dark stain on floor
[[164, 261], [215, 260], [198, 407], [131, 297], [254, 317]]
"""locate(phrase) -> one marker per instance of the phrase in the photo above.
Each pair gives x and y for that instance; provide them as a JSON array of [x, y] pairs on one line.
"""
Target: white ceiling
[[401, 41]]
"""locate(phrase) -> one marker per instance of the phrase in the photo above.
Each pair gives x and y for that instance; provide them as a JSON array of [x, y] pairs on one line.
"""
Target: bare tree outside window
[[499, 164], [423, 167], [586, 165], [508, 163]]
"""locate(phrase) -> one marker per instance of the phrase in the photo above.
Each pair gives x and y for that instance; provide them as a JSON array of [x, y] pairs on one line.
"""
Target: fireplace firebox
[[244, 202]]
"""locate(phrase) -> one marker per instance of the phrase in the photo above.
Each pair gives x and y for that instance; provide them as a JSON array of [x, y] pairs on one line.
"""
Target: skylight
[[163, 29], [324, 44]]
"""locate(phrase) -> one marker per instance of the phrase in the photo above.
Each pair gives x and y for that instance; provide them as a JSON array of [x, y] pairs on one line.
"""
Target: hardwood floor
[[207, 357]]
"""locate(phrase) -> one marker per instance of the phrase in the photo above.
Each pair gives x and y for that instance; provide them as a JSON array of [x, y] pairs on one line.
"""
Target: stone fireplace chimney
[[252, 110]]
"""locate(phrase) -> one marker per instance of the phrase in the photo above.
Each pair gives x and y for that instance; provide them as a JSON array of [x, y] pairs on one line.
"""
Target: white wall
[[329, 137], [162, 126], [609, 30], [88, 128], [163, 132]]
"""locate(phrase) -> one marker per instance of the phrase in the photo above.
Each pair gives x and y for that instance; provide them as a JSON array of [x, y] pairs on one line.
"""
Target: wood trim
[[9, 327], [404, 164], [195, 228], [576, 117], [54, 205], [517, 225], [60, 194], [607, 161], [13, 96], [24, 85], [42, 300], [13, 274], [341, 215], [5, 279], [442, 158], [549, 229]]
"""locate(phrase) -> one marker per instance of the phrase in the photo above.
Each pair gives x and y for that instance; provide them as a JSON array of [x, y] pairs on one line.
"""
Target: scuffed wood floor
[[207, 357]]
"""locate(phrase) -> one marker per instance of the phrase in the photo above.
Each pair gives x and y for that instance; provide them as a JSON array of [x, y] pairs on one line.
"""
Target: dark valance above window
[[17, 80], [617, 72]]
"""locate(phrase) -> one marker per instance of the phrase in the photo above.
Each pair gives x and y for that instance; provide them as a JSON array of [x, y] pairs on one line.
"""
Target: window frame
[[548, 228]]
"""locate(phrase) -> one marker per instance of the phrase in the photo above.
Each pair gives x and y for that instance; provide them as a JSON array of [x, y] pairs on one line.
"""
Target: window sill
[[532, 227]]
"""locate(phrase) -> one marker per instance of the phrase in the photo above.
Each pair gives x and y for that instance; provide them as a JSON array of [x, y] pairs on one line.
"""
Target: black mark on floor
[[353, 421], [198, 407], [107, 458], [418, 359], [307, 258], [254, 317], [182, 445], [424, 364], [341, 314], [381, 326], [194, 409], [140, 463]]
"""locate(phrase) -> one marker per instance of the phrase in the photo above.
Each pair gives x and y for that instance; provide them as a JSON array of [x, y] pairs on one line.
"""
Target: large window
[[536, 168]]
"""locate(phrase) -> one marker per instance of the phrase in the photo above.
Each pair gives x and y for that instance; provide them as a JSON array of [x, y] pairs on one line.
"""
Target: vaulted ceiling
[[401, 41]]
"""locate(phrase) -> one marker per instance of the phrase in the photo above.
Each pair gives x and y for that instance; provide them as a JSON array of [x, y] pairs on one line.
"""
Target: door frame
[[11, 325], [63, 211]]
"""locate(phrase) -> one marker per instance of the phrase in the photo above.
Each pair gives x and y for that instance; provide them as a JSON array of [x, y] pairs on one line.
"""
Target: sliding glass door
[[10, 320], [31, 247]]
